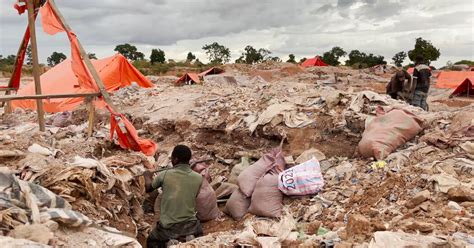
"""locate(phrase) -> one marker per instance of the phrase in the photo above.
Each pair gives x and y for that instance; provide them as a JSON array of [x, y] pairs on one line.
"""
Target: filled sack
[[302, 179], [249, 177], [237, 205], [267, 199], [203, 170], [224, 190], [388, 131], [206, 202], [237, 169]]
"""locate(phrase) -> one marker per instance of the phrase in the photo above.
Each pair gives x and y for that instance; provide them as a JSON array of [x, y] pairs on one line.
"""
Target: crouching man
[[180, 186]]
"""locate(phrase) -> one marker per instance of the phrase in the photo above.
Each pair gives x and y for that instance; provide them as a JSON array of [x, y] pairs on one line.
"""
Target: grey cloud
[[301, 27]]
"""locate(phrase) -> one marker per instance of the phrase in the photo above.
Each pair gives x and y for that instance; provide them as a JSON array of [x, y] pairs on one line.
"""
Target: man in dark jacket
[[422, 75], [398, 83]]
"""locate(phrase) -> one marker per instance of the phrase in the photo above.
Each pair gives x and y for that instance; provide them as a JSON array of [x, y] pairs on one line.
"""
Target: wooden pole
[[86, 59], [90, 129], [36, 69]]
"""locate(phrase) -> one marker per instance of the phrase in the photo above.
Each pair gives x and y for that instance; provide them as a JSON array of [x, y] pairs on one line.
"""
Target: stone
[[421, 226], [454, 206], [460, 194], [310, 228], [309, 154], [35, 232], [419, 198], [343, 245], [358, 225]]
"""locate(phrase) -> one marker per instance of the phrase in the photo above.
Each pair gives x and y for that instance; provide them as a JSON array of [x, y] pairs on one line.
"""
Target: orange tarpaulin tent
[[115, 71], [452, 79], [464, 89], [191, 78], [316, 61], [212, 71]]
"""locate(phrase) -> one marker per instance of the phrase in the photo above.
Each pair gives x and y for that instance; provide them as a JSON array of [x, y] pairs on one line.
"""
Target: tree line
[[219, 54]]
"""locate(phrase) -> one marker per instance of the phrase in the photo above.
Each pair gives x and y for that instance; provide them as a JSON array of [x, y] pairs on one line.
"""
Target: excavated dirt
[[213, 119]]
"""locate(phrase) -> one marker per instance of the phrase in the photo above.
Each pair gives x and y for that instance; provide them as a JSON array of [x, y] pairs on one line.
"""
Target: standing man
[[421, 75], [180, 186]]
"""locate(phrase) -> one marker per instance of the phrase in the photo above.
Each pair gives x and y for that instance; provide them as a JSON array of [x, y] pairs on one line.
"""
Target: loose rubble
[[421, 194]]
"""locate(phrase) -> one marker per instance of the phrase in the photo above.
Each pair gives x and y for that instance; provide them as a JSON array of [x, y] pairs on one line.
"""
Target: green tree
[[303, 60], [274, 59], [6, 63], [91, 56], [56, 58], [217, 53], [465, 62], [252, 55], [398, 58], [362, 60], [29, 56], [332, 57], [291, 59], [157, 56], [129, 51], [424, 48], [240, 60], [190, 57]]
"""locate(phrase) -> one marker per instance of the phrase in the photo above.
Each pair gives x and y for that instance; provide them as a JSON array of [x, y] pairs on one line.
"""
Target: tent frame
[[33, 6]]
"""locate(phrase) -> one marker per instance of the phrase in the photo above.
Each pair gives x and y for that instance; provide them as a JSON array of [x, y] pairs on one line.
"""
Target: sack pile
[[263, 184]]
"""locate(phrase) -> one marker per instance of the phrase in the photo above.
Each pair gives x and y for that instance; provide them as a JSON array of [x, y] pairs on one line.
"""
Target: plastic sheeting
[[452, 79], [115, 71]]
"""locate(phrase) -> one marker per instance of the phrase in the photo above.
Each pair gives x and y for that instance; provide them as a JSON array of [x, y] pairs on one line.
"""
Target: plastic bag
[[302, 179]]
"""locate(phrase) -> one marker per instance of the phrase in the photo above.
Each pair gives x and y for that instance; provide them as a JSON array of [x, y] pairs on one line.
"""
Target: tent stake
[[36, 68]]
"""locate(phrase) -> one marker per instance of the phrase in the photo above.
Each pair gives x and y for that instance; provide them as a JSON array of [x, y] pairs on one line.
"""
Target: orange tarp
[[316, 61], [193, 77], [212, 71], [116, 72], [452, 79]]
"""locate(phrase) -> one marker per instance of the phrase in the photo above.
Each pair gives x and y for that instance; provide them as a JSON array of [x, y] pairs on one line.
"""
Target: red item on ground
[[128, 137]]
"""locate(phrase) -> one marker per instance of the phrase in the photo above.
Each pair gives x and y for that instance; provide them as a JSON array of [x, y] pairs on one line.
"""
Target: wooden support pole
[[36, 69], [91, 119], [85, 57], [32, 97]]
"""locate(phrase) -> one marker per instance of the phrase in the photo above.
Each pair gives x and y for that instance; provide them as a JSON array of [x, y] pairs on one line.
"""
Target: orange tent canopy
[[188, 77], [452, 79], [212, 71], [464, 89], [316, 61], [115, 71]]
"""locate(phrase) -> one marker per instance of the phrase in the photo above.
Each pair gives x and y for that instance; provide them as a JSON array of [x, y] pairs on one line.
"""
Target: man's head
[[181, 155], [419, 59], [400, 75]]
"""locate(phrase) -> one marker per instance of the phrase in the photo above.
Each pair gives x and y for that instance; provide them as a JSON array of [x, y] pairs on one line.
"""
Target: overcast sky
[[302, 27]]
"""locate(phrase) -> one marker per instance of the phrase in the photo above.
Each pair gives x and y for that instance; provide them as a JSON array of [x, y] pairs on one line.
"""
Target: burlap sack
[[224, 190], [206, 203], [387, 132], [269, 161], [237, 205], [267, 198]]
